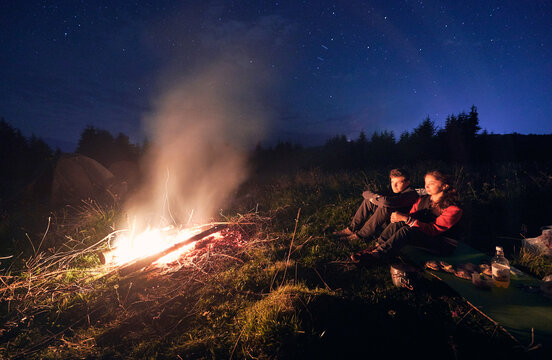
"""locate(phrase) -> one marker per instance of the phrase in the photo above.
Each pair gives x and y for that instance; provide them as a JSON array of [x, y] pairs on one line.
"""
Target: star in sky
[[374, 65]]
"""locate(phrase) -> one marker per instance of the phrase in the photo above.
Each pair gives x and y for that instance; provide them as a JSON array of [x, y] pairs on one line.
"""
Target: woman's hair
[[450, 196]]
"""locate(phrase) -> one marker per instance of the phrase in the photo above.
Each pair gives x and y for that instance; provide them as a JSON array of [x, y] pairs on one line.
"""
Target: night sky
[[337, 67]]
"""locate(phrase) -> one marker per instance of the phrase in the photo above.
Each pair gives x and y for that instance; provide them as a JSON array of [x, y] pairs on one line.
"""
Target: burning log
[[142, 263], [106, 256], [111, 256]]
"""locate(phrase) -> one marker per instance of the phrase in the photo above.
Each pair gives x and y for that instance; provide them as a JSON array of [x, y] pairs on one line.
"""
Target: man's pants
[[368, 217]]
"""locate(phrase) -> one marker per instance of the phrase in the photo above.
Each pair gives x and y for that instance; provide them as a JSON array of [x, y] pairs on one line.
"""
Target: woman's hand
[[397, 216]]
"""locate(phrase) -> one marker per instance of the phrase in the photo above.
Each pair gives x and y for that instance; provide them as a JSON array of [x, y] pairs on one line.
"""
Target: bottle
[[501, 269]]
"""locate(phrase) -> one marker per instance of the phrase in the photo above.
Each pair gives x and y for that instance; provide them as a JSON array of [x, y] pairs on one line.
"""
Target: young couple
[[411, 219]]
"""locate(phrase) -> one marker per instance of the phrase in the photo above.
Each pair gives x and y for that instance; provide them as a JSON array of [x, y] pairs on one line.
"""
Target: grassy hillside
[[276, 286]]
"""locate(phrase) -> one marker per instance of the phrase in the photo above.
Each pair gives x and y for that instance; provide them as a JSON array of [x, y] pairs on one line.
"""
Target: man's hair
[[399, 173]]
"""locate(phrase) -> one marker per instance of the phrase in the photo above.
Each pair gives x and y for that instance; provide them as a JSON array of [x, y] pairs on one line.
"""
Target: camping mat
[[514, 308]]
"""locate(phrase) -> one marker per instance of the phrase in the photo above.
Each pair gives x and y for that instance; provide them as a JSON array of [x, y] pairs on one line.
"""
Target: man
[[376, 209]]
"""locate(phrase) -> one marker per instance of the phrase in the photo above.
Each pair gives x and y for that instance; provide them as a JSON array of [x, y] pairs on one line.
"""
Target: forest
[[461, 142]]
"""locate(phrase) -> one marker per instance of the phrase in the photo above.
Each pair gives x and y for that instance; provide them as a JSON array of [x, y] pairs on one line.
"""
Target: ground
[[276, 285]]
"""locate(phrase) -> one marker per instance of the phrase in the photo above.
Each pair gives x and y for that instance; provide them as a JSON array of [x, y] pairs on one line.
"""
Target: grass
[[535, 263], [279, 288]]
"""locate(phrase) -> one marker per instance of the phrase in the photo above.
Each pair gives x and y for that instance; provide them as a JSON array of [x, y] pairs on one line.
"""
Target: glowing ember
[[129, 247]]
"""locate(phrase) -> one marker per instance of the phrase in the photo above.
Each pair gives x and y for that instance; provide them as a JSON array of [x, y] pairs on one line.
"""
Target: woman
[[430, 217]]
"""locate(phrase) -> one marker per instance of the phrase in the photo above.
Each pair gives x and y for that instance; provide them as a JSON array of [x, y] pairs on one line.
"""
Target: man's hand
[[397, 216], [368, 195]]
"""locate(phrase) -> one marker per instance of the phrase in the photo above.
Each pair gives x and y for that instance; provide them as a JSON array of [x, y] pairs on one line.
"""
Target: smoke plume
[[210, 113], [201, 131]]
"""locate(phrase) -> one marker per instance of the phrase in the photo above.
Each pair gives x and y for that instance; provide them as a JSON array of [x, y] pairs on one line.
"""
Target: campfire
[[131, 251]]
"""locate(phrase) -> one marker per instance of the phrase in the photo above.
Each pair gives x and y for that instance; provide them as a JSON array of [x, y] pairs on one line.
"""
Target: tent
[[77, 177], [126, 171]]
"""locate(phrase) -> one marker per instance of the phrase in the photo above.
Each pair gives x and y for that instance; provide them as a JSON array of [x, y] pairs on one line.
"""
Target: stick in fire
[[144, 262]]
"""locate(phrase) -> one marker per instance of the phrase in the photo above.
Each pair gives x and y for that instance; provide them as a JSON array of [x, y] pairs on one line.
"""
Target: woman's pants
[[398, 234]]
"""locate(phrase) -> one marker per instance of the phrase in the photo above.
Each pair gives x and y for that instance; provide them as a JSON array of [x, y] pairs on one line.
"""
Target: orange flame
[[129, 246]]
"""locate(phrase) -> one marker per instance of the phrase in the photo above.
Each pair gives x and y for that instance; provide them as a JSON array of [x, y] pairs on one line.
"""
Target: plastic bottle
[[501, 269]]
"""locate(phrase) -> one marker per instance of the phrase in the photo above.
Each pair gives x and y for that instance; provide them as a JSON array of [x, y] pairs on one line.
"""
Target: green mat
[[514, 308]]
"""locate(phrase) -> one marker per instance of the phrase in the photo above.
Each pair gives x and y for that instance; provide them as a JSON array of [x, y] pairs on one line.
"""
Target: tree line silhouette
[[460, 141], [27, 164], [22, 160], [103, 147]]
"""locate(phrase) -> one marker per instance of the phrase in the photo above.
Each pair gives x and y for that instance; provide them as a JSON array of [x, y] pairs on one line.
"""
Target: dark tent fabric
[[78, 177], [126, 171]]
